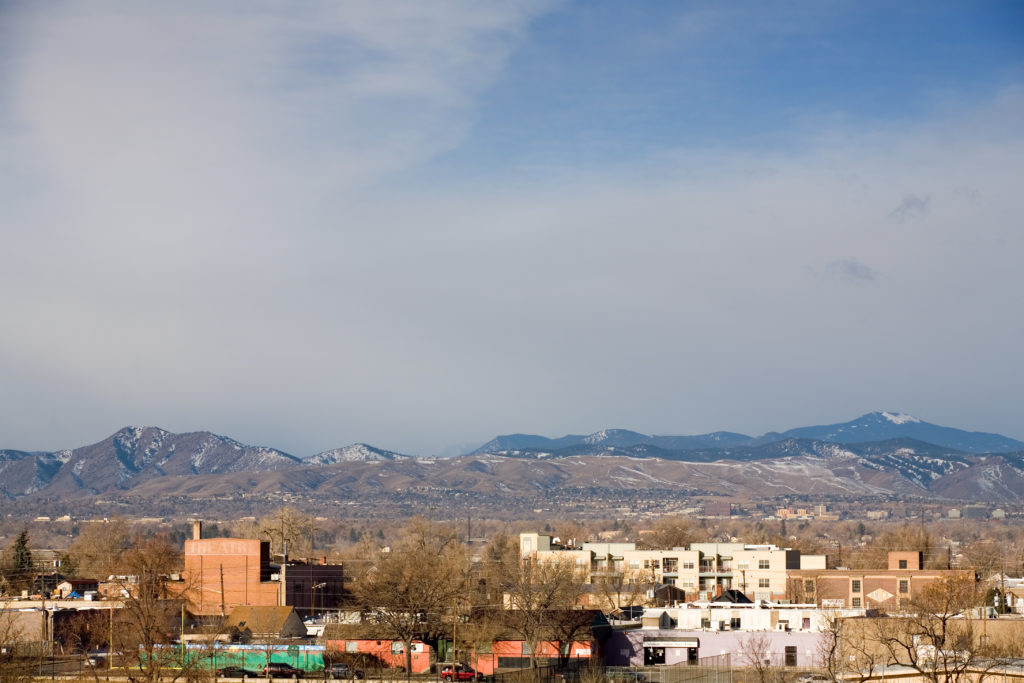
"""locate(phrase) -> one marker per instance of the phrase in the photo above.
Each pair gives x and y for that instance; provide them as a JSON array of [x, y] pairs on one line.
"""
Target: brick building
[[889, 589], [224, 573]]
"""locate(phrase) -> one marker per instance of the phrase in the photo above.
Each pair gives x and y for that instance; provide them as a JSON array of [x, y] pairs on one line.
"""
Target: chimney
[[197, 530], [323, 560]]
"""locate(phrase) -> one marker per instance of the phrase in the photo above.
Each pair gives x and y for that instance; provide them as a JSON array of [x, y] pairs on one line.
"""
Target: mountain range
[[878, 426], [879, 454]]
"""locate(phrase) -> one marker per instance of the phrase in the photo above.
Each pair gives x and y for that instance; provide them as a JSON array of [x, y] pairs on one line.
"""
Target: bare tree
[[845, 650], [99, 546], [541, 597], [672, 532], [620, 589], [408, 590], [15, 661], [937, 636], [755, 652], [143, 628]]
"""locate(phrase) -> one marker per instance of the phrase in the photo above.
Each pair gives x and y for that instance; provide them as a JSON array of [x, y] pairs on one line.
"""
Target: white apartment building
[[704, 570]]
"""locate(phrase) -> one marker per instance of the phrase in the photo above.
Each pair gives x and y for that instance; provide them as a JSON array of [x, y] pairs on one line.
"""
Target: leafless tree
[[99, 546], [150, 616], [755, 653], [845, 650], [408, 590], [936, 637], [620, 589], [542, 599], [15, 662], [672, 532]]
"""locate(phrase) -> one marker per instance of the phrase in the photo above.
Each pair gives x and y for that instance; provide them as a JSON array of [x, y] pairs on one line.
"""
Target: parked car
[[461, 673], [236, 672], [341, 670], [282, 670], [813, 678], [625, 676]]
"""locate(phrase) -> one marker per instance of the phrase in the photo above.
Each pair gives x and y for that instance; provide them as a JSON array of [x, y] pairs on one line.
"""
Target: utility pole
[[222, 610]]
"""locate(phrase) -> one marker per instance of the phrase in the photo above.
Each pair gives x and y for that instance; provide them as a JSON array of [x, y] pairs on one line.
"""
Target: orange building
[[224, 573]]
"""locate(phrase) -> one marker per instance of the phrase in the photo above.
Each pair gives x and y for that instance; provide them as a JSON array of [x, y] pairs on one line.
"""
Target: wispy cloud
[[911, 207], [851, 269], [251, 221]]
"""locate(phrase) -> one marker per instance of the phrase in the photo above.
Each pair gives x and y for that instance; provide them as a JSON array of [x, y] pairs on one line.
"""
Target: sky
[[420, 225]]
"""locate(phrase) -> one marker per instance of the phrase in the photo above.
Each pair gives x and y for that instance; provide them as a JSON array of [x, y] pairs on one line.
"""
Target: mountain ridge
[[149, 461], [874, 426]]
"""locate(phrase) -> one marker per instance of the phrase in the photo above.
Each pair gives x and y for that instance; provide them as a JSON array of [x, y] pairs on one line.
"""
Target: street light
[[312, 599]]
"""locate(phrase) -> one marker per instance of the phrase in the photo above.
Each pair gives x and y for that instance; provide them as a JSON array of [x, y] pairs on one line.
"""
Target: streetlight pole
[[312, 598]]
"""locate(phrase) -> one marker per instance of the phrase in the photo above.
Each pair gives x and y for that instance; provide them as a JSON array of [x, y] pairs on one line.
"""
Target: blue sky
[[418, 225]]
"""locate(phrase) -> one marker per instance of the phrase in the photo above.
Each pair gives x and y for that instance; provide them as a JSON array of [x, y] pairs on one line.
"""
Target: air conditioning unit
[[275, 577]]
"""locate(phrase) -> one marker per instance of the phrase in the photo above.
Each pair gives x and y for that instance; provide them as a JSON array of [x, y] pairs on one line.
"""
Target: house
[[261, 622], [358, 644], [77, 587]]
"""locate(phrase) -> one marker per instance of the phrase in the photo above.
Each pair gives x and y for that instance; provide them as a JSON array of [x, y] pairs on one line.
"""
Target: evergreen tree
[[19, 566]]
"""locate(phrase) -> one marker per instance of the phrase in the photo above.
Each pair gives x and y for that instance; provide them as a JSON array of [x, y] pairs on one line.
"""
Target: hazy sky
[[422, 224]]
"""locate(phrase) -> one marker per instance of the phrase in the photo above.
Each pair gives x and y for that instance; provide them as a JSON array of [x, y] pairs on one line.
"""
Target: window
[[705, 622], [791, 655], [656, 563], [855, 586], [742, 565], [856, 602], [734, 623], [809, 585], [396, 648], [351, 646], [634, 564], [647, 564], [904, 586], [903, 564], [762, 564], [526, 648], [688, 565], [763, 583]]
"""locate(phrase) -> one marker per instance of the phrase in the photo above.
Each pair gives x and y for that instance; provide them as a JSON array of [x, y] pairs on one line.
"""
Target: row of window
[[671, 563], [904, 586]]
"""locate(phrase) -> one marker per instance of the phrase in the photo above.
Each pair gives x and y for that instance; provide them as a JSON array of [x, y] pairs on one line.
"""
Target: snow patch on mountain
[[899, 418]]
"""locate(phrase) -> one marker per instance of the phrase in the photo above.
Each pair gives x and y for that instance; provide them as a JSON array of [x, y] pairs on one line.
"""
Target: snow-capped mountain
[[133, 455], [357, 452], [876, 454], [880, 426]]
